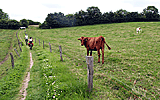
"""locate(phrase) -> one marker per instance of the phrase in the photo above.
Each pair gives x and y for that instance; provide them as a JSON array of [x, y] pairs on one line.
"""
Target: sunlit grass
[[5, 42], [133, 62]]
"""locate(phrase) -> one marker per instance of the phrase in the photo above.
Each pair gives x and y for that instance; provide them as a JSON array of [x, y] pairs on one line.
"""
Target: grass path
[[23, 90], [12, 78]]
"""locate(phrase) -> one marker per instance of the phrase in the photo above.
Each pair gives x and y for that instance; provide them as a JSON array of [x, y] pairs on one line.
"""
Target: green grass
[[7, 64], [11, 79], [52, 78], [134, 57], [5, 42]]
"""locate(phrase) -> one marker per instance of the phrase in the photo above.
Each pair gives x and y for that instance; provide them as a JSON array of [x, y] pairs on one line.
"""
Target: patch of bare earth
[[23, 90], [34, 25]]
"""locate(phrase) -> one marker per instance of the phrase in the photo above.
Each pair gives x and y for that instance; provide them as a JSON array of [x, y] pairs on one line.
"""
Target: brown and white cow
[[94, 44]]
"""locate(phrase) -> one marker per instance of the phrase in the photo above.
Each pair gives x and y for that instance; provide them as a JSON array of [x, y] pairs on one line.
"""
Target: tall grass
[[5, 42], [132, 63], [11, 79]]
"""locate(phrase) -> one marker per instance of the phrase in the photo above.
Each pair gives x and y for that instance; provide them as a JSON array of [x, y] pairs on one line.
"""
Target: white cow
[[22, 27], [139, 30]]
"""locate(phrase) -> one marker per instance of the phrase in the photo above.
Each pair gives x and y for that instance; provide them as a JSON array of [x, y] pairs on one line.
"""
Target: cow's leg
[[91, 53], [98, 56], [102, 56], [87, 52]]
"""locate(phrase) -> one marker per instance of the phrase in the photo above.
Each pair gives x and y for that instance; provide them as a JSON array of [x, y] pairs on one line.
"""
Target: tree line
[[89, 17], [94, 16], [7, 23]]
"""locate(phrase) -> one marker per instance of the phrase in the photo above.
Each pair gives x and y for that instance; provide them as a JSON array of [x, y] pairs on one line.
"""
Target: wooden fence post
[[16, 35], [39, 42], [43, 44], [17, 52], [18, 41], [20, 48], [12, 60], [60, 50], [35, 40], [50, 47], [89, 61], [21, 44]]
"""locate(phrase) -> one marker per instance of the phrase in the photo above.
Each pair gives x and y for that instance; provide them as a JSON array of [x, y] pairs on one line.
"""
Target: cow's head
[[139, 28], [83, 40]]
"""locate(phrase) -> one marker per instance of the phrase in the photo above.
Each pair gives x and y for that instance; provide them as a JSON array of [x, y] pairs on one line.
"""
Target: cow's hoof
[[98, 62]]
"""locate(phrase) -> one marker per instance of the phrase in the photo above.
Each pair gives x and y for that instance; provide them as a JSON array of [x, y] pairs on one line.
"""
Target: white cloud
[[37, 10]]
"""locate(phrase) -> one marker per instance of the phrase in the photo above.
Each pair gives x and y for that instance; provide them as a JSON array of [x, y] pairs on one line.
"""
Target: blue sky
[[37, 10]]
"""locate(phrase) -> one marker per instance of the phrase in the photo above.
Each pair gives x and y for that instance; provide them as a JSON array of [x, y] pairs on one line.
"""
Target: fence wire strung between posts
[[89, 61], [12, 58]]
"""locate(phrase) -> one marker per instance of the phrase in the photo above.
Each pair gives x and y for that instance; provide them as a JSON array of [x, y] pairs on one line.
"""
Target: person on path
[[30, 41], [26, 39]]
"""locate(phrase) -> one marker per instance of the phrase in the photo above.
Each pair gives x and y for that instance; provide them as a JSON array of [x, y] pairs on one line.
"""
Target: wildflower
[[53, 97], [53, 82]]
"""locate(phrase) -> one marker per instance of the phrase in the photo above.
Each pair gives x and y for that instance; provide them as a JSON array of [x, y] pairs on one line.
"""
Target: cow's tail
[[107, 46], [105, 43]]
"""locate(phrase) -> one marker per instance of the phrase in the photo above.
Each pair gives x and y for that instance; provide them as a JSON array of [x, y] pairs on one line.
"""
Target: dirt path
[[23, 90]]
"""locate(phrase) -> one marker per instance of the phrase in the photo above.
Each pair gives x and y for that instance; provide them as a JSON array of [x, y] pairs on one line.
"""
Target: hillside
[[130, 70]]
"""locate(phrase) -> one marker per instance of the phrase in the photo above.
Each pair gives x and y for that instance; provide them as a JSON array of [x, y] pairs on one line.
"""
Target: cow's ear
[[79, 39], [86, 39], [82, 37]]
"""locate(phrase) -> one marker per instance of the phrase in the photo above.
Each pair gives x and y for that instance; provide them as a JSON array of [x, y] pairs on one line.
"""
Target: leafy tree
[[30, 22], [121, 15], [44, 25], [151, 12], [57, 20], [81, 18], [3, 24], [13, 24], [94, 15], [24, 23], [70, 15], [52, 20], [3, 15]]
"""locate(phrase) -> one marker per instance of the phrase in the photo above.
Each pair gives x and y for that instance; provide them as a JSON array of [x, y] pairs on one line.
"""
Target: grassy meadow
[[5, 42], [131, 69], [11, 79], [132, 63]]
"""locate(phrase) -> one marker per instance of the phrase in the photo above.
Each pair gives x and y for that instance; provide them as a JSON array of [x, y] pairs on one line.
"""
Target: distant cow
[[94, 44], [139, 30], [22, 27]]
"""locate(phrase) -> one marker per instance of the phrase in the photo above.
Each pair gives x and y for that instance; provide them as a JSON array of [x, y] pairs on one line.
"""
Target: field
[[130, 70], [5, 38]]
